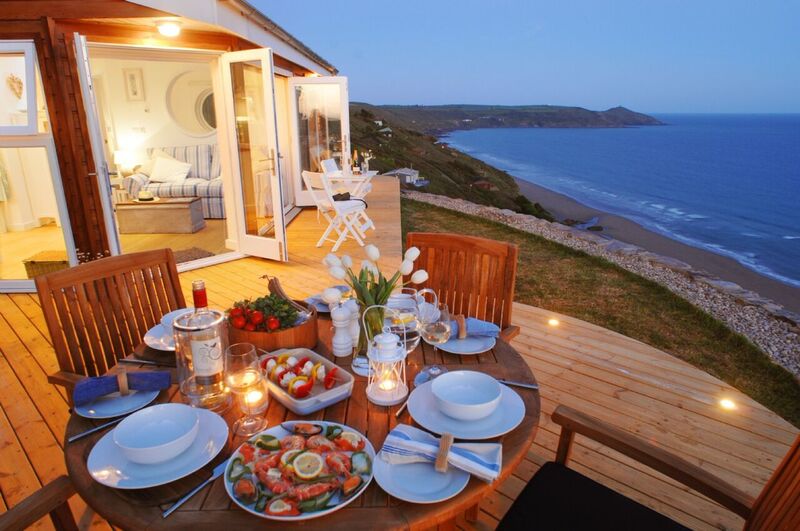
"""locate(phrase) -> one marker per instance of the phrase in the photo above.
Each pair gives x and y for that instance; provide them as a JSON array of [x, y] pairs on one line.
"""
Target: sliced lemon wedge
[[351, 437], [308, 465], [287, 457]]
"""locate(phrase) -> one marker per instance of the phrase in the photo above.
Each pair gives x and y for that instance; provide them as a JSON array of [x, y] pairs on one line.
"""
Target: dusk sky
[[651, 56]]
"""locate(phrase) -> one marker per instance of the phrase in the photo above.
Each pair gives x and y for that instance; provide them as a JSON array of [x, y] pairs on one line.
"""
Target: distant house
[[386, 131], [485, 185], [405, 175], [379, 123]]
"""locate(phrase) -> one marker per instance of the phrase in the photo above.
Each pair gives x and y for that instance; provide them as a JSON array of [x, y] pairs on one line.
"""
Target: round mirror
[[190, 101]]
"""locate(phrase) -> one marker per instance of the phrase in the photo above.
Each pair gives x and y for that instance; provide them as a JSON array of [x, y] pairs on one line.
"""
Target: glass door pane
[[259, 205], [322, 126], [18, 97]]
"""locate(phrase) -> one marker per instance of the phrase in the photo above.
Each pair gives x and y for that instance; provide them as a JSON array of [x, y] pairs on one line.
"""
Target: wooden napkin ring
[[444, 448], [462, 326], [122, 380]]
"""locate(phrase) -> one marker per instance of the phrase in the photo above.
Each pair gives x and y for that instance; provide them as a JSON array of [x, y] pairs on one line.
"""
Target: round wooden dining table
[[211, 508]]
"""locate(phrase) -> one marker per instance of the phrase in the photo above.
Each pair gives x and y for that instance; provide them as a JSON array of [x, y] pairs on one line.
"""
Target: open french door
[[96, 139], [320, 120], [247, 78]]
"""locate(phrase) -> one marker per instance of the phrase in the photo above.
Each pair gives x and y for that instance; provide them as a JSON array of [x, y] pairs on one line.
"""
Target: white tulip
[[372, 252], [412, 253], [338, 272], [366, 264], [331, 260], [419, 276], [406, 267], [331, 295], [347, 261]]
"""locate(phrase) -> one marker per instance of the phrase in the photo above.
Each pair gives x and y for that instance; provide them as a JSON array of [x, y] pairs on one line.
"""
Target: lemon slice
[[403, 318], [308, 466], [351, 437], [285, 458]]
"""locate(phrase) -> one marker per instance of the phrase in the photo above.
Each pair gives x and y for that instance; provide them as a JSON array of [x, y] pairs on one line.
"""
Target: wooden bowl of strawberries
[[272, 322]]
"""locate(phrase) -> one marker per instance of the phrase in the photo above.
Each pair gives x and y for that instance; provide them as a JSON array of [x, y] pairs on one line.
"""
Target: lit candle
[[387, 385], [254, 397]]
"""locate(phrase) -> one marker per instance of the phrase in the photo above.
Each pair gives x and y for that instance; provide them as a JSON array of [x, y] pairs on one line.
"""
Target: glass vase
[[374, 322]]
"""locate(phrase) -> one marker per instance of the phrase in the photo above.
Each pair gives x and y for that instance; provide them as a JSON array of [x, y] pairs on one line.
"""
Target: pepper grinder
[[355, 324], [342, 340]]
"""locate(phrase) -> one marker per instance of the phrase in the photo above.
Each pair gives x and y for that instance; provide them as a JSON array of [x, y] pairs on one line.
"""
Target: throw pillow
[[169, 170], [147, 166]]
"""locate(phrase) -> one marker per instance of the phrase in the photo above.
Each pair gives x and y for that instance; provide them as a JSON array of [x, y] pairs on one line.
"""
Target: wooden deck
[[615, 378]]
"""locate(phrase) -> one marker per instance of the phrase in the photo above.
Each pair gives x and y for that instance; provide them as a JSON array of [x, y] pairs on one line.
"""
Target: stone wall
[[767, 324]]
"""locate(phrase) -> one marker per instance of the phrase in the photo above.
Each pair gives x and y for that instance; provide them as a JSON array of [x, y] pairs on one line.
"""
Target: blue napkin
[[406, 444], [476, 328], [90, 389]]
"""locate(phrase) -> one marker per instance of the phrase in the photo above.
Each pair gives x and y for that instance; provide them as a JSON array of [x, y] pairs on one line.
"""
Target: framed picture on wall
[[134, 84]]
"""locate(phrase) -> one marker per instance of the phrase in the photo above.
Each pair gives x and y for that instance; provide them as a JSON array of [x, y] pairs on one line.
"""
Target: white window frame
[[28, 49]]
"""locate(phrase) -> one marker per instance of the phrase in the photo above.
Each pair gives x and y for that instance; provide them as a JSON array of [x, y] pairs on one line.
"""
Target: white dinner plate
[[468, 346], [116, 405], [159, 338], [508, 415], [109, 466], [334, 504], [419, 482]]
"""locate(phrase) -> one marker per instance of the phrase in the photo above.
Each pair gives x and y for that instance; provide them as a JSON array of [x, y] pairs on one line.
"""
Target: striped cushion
[[187, 188], [198, 156], [216, 164]]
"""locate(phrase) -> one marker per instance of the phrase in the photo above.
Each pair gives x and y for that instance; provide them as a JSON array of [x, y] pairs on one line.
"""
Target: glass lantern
[[386, 382]]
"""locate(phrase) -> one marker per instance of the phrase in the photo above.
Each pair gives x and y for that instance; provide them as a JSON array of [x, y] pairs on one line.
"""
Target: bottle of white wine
[[205, 342], [201, 340]]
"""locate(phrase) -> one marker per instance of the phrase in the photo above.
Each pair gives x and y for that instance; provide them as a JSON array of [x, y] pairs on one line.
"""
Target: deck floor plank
[[636, 387]]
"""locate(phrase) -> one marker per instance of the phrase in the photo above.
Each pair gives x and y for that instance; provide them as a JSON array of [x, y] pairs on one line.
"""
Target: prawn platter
[[303, 381], [300, 470]]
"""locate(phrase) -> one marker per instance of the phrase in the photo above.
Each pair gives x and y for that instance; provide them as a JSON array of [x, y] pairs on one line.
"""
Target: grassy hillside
[[450, 172], [437, 119], [590, 288]]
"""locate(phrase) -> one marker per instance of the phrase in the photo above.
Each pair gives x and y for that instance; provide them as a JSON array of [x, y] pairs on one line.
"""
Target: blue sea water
[[726, 183]]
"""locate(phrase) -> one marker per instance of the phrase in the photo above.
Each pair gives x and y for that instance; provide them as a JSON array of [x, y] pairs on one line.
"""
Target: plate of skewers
[[300, 470]]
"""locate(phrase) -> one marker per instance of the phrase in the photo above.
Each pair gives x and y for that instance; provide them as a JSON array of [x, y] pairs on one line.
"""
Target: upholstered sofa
[[203, 181]]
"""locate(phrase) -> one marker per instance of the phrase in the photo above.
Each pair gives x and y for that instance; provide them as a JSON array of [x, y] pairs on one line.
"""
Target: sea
[[723, 182]]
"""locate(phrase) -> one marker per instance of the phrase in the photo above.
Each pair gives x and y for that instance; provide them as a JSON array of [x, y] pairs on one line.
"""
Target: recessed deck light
[[169, 28], [728, 404], [553, 322]]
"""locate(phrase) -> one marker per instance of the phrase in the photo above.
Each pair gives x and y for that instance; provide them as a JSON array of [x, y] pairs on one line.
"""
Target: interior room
[[156, 110], [32, 238]]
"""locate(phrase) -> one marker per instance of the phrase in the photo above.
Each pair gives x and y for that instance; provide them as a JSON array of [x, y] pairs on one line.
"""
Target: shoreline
[[625, 230]]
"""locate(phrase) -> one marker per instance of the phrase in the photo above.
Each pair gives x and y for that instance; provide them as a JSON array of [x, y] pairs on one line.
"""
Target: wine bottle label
[[206, 357]]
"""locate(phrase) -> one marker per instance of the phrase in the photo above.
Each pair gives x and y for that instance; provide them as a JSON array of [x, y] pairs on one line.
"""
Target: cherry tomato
[[236, 312], [250, 327], [330, 378], [273, 323], [238, 322], [257, 317]]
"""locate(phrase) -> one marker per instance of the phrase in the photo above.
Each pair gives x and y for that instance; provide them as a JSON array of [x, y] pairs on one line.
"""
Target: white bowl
[[158, 433], [466, 395], [169, 318]]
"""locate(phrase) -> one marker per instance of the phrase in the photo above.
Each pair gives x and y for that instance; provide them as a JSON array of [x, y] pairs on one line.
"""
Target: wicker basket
[[302, 336], [45, 262]]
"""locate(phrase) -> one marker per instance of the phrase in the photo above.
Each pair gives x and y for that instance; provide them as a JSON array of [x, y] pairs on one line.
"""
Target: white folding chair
[[357, 185], [342, 216]]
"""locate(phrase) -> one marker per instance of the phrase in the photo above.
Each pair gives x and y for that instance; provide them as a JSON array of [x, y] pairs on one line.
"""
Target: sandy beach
[[623, 229]]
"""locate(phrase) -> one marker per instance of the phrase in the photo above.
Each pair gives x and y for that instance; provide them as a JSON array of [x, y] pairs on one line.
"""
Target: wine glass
[[245, 380], [435, 319], [404, 320]]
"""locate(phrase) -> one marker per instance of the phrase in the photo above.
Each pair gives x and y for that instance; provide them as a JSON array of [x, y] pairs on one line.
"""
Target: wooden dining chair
[[474, 276], [560, 498], [98, 312], [50, 499]]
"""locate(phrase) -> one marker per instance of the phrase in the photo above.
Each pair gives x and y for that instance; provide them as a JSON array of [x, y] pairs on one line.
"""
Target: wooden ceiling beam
[[58, 9]]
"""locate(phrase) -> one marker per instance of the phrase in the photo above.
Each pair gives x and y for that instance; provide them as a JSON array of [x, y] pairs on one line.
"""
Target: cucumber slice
[[361, 463]]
